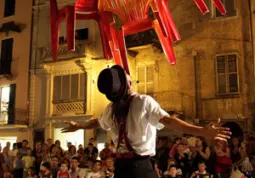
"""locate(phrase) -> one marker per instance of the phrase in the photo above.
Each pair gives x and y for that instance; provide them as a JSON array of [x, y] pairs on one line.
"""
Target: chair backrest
[[127, 10], [86, 5]]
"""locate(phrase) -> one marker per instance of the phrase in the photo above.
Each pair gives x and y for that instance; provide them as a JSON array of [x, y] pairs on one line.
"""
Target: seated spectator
[[90, 152], [29, 161], [93, 142], [223, 160], [45, 170], [96, 171], [201, 171], [182, 160], [75, 171], [89, 167], [105, 153], [31, 173], [174, 147], [23, 149], [171, 161], [54, 166], [72, 152], [63, 173], [18, 166], [158, 171], [172, 172], [201, 153], [109, 167]]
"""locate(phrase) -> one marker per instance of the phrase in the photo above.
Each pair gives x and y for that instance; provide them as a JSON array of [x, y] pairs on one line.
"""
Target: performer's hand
[[72, 127], [212, 131]]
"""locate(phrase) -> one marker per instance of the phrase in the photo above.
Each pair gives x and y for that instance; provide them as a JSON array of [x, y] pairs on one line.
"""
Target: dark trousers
[[17, 173], [134, 168]]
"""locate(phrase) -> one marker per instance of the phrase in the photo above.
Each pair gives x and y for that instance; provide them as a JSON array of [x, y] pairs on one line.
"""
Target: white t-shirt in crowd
[[142, 123], [94, 175]]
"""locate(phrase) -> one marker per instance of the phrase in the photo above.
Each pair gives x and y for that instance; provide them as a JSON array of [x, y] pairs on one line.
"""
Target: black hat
[[113, 83]]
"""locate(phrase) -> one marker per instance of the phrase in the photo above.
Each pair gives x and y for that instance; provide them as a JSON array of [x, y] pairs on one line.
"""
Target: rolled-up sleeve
[[154, 111]]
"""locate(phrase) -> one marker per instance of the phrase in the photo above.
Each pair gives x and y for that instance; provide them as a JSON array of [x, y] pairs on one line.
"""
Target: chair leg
[[202, 6], [220, 6], [54, 23], [165, 42], [70, 27], [123, 50], [162, 14], [105, 44]]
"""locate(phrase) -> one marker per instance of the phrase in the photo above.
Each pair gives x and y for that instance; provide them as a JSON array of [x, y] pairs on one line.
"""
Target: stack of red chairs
[[134, 15]]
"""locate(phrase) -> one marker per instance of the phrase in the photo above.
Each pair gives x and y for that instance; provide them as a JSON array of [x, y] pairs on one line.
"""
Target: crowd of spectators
[[180, 157]]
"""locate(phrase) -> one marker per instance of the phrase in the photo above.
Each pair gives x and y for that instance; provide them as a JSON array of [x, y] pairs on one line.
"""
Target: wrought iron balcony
[[18, 117], [63, 52], [69, 107]]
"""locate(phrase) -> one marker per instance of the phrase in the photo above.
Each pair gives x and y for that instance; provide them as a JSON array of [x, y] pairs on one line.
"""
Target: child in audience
[[201, 171], [63, 173]]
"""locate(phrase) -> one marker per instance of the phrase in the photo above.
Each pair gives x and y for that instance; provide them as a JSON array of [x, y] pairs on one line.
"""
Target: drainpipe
[[252, 44], [194, 54], [29, 73]]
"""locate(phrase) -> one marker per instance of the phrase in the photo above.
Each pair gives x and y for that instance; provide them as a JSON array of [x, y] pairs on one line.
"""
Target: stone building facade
[[213, 77], [15, 38]]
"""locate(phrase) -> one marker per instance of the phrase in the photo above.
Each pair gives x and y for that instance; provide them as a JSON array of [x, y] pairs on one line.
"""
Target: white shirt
[[142, 123]]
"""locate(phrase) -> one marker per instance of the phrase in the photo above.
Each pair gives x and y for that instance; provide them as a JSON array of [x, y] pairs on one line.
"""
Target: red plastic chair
[[83, 10], [135, 17]]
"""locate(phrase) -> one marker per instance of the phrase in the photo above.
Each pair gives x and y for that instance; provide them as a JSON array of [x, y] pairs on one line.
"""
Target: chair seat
[[136, 26]]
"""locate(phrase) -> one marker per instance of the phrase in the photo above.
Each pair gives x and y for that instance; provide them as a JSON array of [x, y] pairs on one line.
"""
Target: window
[[9, 8], [227, 74], [6, 56], [61, 40], [82, 34], [69, 87], [7, 104], [145, 76], [230, 7]]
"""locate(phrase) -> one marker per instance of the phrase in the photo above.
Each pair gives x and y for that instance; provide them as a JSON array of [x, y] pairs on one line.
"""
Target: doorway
[[236, 130]]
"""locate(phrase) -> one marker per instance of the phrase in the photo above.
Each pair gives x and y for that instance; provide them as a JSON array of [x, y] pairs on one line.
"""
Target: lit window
[[7, 104], [227, 74]]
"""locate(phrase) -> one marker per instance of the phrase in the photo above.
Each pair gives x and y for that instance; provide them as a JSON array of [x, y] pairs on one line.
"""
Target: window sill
[[228, 95], [216, 19]]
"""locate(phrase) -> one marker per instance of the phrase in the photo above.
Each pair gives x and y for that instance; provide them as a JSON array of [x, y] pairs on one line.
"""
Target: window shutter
[[141, 79], [74, 86], [65, 87], [150, 79], [6, 56], [232, 69], [57, 88], [11, 107], [230, 7], [83, 84], [221, 74]]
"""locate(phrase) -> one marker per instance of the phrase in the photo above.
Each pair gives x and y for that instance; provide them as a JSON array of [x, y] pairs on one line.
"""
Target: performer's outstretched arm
[[73, 126], [211, 131]]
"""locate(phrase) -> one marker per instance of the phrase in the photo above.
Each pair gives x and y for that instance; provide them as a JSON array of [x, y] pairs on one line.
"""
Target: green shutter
[[11, 107]]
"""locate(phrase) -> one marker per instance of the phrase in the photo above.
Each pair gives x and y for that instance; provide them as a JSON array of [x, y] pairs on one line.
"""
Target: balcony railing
[[63, 52], [176, 101], [68, 107], [20, 118]]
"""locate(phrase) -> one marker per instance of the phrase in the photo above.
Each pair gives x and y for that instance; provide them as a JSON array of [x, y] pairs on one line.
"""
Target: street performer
[[133, 120]]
